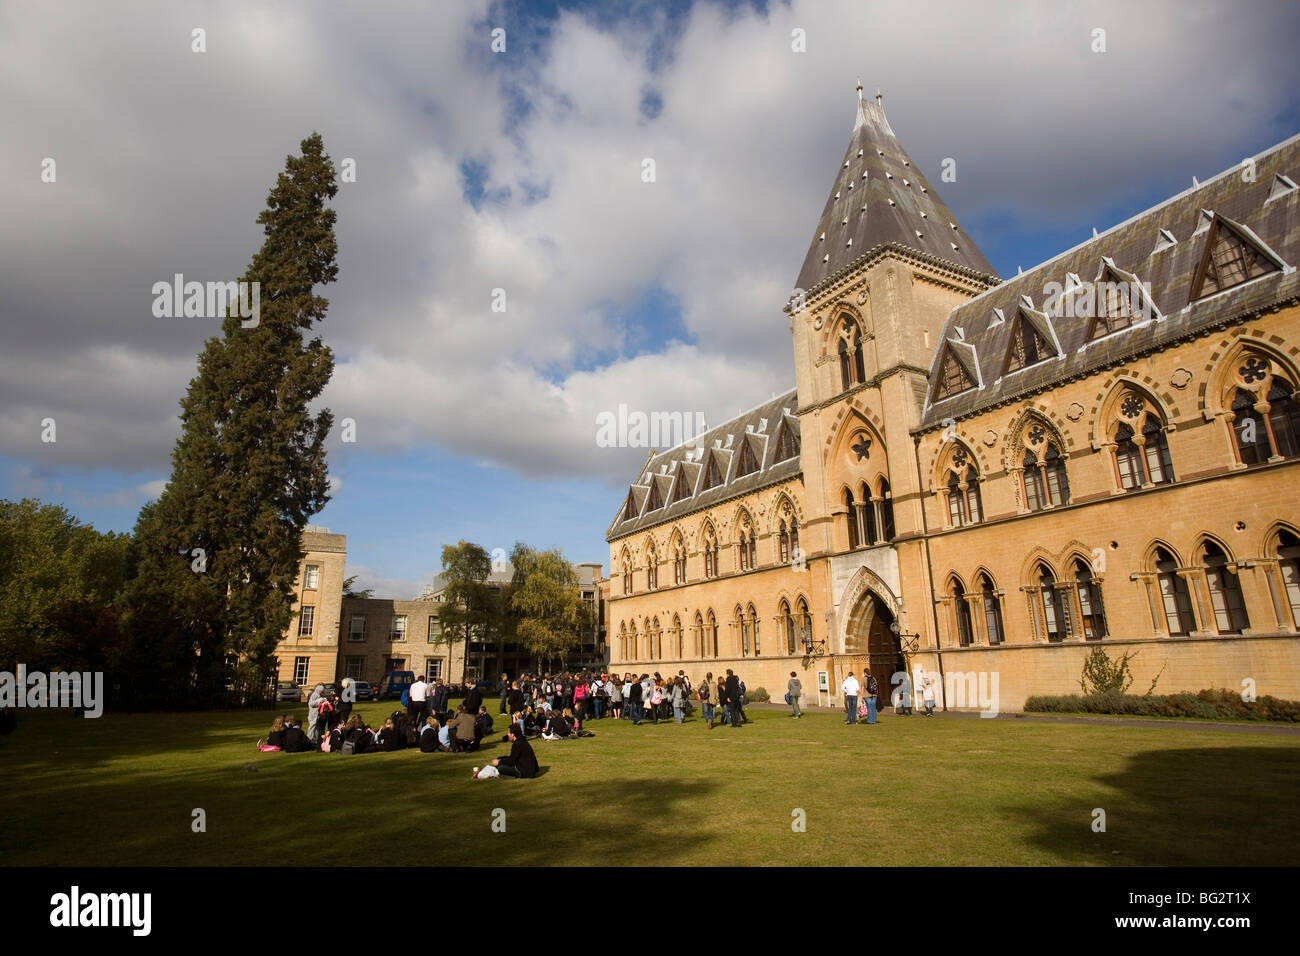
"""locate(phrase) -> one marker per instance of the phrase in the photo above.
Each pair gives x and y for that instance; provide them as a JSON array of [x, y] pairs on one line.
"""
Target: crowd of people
[[551, 707]]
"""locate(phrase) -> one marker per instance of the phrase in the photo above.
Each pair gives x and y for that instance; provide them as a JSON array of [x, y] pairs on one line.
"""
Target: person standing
[[721, 691], [516, 699], [794, 690], [872, 689], [503, 690], [313, 713], [733, 697], [415, 708], [634, 692], [473, 698], [678, 697], [346, 701], [706, 703], [615, 698], [440, 695], [850, 690], [927, 694]]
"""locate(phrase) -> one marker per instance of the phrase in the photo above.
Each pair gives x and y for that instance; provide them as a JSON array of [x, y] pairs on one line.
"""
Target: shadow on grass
[[313, 808], [1193, 807]]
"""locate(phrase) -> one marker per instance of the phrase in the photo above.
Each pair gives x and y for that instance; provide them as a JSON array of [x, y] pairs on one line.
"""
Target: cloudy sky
[[521, 170]]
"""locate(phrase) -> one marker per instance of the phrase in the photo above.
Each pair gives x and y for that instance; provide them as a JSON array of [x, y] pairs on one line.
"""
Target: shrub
[[757, 694], [1219, 704], [1101, 675]]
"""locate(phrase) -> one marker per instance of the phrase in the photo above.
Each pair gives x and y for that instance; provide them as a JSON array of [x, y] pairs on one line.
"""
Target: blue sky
[[521, 171]]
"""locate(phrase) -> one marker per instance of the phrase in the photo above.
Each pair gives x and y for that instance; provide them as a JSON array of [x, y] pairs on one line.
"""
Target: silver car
[[287, 690]]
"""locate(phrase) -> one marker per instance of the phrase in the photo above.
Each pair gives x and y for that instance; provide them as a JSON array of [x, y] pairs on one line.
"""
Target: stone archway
[[869, 642]]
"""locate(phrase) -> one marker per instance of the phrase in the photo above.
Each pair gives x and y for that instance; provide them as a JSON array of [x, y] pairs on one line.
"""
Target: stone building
[[979, 481], [309, 651], [331, 636]]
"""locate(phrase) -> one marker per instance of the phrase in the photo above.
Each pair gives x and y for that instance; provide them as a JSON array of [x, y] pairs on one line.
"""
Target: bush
[[1217, 704], [1102, 676], [757, 694]]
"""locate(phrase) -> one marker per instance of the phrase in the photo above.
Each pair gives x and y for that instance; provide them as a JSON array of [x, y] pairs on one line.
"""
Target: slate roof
[[878, 197], [678, 472], [1162, 246]]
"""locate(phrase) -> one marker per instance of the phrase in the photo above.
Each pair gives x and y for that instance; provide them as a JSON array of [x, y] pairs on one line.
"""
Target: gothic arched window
[[1174, 596], [992, 610], [1053, 606], [965, 632], [1090, 602], [1225, 592]]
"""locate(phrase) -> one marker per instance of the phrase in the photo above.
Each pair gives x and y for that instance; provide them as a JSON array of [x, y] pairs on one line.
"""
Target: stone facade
[[989, 486], [308, 653]]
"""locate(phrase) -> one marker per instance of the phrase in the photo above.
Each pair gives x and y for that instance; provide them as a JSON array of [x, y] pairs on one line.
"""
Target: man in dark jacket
[[516, 699], [440, 695], [733, 697], [522, 761], [473, 698], [503, 691], [634, 695]]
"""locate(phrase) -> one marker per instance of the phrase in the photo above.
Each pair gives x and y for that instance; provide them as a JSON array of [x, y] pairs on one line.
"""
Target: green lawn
[[120, 790]]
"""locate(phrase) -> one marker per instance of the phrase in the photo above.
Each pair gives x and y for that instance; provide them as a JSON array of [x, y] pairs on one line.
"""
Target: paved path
[[1223, 726]]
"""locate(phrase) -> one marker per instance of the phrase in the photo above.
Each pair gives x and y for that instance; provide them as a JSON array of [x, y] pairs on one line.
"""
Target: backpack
[[872, 686], [349, 746], [412, 736]]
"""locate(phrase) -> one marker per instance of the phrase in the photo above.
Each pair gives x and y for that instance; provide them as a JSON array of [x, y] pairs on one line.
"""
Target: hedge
[[1206, 705]]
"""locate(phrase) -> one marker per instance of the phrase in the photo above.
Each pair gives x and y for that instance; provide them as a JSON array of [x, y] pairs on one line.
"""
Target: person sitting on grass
[[276, 737], [389, 738], [444, 738], [295, 741], [482, 723], [429, 736], [463, 729], [559, 727], [522, 761]]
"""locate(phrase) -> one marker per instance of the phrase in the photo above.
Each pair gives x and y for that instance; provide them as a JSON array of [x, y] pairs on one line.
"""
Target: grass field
[[907, 791]]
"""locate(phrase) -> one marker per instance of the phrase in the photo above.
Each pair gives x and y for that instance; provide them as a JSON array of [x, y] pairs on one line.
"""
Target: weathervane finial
[[880, 100]]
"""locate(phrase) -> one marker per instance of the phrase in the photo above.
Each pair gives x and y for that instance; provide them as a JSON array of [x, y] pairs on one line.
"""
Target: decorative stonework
[[990, 438], [1181, 378], [1075, 412]]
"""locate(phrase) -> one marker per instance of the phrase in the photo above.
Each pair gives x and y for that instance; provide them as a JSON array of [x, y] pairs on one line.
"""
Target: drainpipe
[[929, 566]]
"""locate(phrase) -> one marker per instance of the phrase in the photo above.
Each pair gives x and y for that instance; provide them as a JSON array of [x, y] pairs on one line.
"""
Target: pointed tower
[[878, 196], [887, 262]]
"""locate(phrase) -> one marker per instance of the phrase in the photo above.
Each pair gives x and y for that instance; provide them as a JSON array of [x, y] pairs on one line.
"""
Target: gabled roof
[[878, 196], [755, 429], [1162, 248]]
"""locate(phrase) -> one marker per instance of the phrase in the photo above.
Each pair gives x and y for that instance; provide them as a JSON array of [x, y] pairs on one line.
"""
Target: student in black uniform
[[522, 761]]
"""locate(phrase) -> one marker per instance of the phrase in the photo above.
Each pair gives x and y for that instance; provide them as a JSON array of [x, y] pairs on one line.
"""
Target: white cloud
[[165, 157]]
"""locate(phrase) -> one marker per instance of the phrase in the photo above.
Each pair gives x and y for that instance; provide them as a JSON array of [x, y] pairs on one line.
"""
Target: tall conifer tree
[[219, 550]]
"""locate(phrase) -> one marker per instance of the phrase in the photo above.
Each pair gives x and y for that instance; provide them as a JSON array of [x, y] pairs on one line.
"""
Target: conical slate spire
[[879, 196]]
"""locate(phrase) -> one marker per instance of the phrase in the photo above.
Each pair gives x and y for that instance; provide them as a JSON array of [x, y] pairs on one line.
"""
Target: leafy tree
[[220, 548], [470, 606], [60, 583], [547, 603], [348, 591]]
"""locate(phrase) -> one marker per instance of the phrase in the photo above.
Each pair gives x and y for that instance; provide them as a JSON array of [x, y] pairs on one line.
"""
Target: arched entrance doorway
[[870, 644]]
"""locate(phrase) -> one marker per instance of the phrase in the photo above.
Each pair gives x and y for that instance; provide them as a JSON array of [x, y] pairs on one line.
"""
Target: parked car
[[394, 684], [364, 691], [287, 690]]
